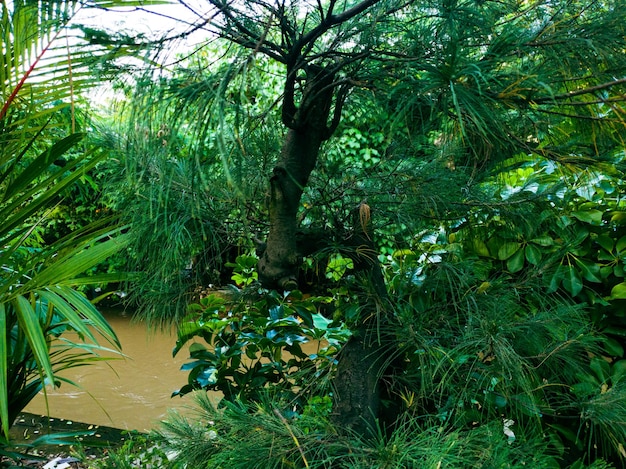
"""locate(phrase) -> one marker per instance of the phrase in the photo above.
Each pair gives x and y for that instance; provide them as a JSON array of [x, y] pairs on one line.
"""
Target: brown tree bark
[[308, 128], [364, 359]]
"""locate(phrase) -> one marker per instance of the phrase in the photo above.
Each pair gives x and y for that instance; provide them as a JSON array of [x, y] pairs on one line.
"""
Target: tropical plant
[[40, 160], [251, 354], [447, 113]]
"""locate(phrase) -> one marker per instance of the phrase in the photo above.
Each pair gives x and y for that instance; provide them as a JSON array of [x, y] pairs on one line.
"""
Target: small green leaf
[[544, 240], [618, 370], [621, 244]]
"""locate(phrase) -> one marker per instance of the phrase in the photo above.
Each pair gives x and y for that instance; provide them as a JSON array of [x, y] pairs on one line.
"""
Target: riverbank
[[89, 441]]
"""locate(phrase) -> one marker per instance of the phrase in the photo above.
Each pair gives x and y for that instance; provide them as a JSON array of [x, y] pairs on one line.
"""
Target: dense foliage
[[459, 254]]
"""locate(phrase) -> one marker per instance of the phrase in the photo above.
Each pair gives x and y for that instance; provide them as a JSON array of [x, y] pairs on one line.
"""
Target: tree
[[458, 88]]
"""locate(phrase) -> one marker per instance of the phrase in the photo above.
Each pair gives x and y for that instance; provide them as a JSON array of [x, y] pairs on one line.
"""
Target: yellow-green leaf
[[619, 291], [507, 249]]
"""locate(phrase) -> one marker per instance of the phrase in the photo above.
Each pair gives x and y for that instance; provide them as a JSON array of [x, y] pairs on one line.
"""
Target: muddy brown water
[[132, 393]]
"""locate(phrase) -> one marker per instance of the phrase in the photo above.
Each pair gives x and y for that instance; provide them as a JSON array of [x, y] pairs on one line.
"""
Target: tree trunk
[[363, 359], [308, 128]]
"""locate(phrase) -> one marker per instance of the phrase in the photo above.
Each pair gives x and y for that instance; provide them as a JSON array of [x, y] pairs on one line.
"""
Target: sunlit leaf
[[593, 217], [480, 247], [507, 249], [619, 291]]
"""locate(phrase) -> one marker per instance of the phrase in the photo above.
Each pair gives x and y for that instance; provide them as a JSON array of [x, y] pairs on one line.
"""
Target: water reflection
[[132, 393]]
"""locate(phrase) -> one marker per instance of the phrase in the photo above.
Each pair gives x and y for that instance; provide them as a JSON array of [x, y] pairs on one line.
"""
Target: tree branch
[[333, 20], [574, 93], [248, 38]]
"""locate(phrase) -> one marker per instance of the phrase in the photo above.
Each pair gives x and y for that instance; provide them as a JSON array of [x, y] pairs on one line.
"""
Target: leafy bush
[[253, 343]]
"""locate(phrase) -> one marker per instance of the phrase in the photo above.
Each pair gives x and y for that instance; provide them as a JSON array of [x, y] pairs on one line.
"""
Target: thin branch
[[572, 94], [579, 116], [248, 38], [333, 20]]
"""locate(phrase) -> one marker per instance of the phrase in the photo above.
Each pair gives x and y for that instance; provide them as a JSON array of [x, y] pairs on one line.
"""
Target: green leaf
[[589, 270], [613, 347], [4, 398], [606, 242], [507, 249], [480, 248], [621, 244], [601, 369], [593, 217], [40, 165], [515, 263], [30, 326], [572, 281], [533, 254], [618, 292], [618, 370], [556, 279], [544, 241]]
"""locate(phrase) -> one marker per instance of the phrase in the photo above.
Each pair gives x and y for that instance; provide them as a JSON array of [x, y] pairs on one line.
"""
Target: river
[[132, 393]]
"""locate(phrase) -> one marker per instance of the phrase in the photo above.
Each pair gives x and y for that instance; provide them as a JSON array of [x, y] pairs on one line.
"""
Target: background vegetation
[[459, 250]]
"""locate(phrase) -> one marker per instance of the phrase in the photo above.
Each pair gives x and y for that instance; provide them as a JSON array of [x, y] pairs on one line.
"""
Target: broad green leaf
[[590, 270], [556, 279], [621, 244], [507, 249], [618, 292], [605, 271], [613, 347], [515, 263], [337, 266], [606, 242], [618, 217], [618, 370], [601, 368], [572, 281], [480, 248], [533, 254], [593, 217]]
